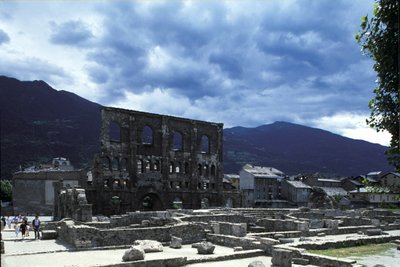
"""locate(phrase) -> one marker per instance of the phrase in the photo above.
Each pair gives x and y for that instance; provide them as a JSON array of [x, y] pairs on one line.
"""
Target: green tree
[[379, 39], [6, 190]]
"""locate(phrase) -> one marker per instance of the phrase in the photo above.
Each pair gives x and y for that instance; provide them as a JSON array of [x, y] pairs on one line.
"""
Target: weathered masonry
[[155, 162]]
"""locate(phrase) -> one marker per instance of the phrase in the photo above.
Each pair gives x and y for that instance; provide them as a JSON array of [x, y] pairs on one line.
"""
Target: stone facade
[[34, 191], [149, 162]]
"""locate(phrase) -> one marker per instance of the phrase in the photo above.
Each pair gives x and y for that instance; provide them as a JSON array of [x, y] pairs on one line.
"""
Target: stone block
[[237, 249], [215, 228], [375, 222], [279, 236], [176, 242], [133, 254], [372, 232], [145, 223], [149, 245], [48, 234], [303, 226], [195, 245], [286, 240], [256, 264], [300, 261], [205, 248], [281, 258], [268, 241], [321, 234], [239, 230]]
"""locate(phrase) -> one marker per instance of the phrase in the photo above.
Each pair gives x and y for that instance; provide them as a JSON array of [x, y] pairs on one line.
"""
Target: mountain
[[297, 149], [39, 123]]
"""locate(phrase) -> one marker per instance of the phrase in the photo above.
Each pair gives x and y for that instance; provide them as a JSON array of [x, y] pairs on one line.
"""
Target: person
[[16, 226], [36, 227], [8, 222], [3, 222], [22, 227]]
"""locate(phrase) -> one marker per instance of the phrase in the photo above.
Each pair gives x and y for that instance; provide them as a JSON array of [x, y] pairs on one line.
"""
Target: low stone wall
[[231, 218], [235, 229], [283, 225], [353, 242], [246, 243], [87, 236], [171, 262], [319, 260]]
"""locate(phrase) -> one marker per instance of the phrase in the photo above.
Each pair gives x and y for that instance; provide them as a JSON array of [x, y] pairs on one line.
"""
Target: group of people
[[22, 225]]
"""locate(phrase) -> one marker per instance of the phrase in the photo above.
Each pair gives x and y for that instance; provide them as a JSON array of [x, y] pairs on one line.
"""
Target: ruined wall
[[33, 192], [150, 161]]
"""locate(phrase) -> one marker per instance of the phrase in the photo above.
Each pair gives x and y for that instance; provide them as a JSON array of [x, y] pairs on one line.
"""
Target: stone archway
[[151, 201]]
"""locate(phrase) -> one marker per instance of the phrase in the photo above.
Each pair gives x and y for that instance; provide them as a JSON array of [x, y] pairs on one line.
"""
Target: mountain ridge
[[39, 123]]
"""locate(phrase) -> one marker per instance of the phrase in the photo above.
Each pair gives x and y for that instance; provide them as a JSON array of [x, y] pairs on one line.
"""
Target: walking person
[[36, 227], [8, 222], [23, 229]]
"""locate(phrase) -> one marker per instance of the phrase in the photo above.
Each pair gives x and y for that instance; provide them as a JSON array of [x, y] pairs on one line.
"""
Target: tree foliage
[[6, 190], [379, 39]]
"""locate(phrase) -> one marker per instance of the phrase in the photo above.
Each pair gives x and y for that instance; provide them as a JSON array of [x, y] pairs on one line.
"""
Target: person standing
[[36, 227], [23, 229], [3, 223]]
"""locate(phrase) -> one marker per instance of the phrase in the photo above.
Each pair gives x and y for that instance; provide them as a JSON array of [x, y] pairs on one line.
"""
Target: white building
[[260, 186]]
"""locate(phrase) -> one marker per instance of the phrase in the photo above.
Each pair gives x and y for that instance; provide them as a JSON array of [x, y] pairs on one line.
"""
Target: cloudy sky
[[242, 63]]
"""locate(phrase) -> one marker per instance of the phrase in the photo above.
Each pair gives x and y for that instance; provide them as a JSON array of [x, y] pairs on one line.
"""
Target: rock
[[371, 232], [281, 258], [286, 240], [304, 239], [145, 223], [237, 249], [176, 242], [300, 261], [279, 236], [149, 245], [256, 264], [321, 234], [48, 234], [135, 253], [195, 245], [205, 248]]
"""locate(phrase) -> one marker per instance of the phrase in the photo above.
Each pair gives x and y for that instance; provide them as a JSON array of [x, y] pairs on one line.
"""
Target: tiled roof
[[298, 184]]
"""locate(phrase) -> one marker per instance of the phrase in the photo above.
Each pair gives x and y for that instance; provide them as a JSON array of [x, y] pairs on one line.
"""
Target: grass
[[360, 251]]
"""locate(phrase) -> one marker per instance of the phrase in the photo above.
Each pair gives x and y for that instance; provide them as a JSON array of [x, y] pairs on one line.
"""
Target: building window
[[106, 163], [115, 132], [178, 167], [147, 135], [124, 164], [205, 144], [115, 164], [147, 165], [213, 171], [200, 169], [156, 165], [186, 167], [177, 141], [171, 167]]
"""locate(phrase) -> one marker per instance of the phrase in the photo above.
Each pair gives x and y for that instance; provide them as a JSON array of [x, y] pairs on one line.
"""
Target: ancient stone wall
[[152, 162]]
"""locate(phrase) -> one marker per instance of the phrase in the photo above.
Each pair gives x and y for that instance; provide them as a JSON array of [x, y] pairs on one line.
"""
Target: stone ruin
[[156, 162], [282, 234], [72, 203]]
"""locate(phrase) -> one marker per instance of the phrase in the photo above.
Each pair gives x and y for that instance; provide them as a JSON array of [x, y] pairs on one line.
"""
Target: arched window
[[147, 135], [178, 167], [200, 169], [171, 167], [156, 165], [147, 165], [205, 168], [205, 144], [115, 164], [177, 141], [186, 168], [139, 166], [124, 162], [115, 132], [106, 163], [213, 171]]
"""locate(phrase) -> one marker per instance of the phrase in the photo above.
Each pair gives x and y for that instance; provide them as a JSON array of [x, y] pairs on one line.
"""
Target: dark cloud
[[75, 33], [4, 38]]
